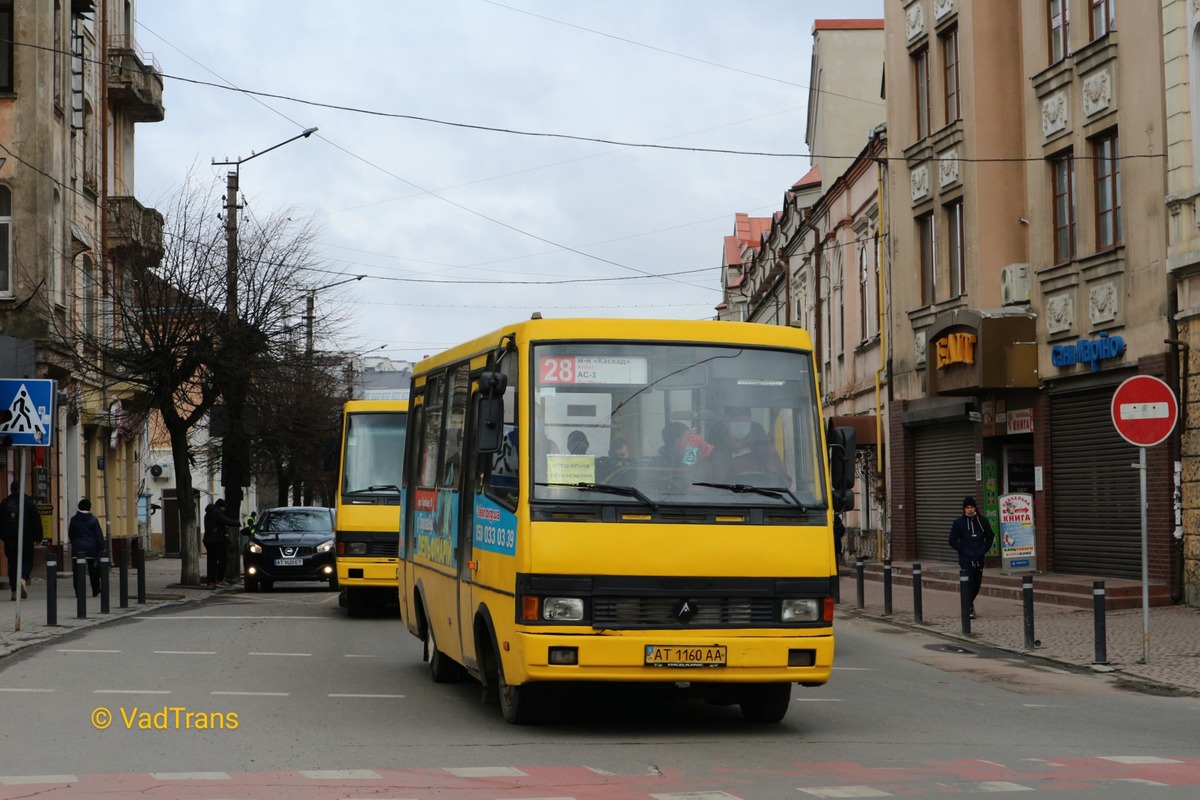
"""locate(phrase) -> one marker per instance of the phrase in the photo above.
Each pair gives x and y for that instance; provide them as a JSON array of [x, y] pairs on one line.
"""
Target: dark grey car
[[291, 543]]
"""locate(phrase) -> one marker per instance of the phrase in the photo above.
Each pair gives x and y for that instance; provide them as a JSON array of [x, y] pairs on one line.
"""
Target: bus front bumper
[[668, 656]]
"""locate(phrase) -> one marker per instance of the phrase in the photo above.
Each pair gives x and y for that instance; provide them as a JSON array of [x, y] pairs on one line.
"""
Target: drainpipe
[[880, 250], [1181, 356]]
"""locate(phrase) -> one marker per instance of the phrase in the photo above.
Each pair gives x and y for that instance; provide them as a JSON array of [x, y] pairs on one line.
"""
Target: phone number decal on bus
[[494, 529], [576, 370]]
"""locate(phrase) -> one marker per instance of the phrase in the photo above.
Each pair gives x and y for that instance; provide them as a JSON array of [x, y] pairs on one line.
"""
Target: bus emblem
[[685, 611]]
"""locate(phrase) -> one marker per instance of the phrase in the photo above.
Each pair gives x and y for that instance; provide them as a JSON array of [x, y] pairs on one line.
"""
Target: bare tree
[[165, 336]]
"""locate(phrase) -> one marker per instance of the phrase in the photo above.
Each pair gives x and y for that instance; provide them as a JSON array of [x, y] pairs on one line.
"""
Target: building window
[[88, 298], [956, 245], [1063, 170], [6, 47], [1103, 17], [1106, 156], [950, 59], [1060, 29], [921, 75], [926, 226]]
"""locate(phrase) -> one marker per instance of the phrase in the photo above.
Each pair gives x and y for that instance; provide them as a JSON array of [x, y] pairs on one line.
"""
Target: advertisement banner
[[1018, 545]]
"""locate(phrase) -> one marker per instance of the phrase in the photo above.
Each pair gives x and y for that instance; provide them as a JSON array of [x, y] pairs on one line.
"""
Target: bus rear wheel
[[765, 702]]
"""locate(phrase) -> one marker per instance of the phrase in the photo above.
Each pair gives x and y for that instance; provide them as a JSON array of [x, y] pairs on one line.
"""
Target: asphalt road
[[312, 690]]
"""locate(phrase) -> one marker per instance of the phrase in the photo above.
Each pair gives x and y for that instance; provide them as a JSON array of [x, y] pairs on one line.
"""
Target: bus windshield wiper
[[767, 491], [383, 487], [607, 488]]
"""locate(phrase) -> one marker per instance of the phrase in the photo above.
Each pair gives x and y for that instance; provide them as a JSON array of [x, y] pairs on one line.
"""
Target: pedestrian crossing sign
[[27, 404]]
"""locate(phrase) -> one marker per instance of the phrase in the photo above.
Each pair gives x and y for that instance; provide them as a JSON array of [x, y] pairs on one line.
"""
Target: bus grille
[[662, 612], [390, 549]]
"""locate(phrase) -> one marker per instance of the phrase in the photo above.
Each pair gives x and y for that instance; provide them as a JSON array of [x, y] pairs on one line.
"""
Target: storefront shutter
[[945, 474], [1094, 492]]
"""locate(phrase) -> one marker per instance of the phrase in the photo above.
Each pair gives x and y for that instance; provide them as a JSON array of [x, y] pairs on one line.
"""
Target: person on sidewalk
[[87, 541], [216, 542], [971, 537], [10, 530]]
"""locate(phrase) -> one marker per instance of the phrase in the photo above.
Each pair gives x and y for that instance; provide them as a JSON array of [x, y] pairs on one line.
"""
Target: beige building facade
[[1028, 267]]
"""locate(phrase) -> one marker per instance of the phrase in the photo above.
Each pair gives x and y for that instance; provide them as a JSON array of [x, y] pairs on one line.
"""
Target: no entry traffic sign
[[1144, 410]]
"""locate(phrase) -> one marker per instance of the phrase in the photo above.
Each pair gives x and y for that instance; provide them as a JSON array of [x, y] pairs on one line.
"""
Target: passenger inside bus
[[741, 447]]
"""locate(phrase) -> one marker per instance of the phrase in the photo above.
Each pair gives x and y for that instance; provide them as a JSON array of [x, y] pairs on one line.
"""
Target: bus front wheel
[[441, 668], [765, 702], [520, 705]]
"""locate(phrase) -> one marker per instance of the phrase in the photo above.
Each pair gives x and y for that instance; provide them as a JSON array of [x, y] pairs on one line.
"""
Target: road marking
[[843, 791], [130, 691], [1139, 760], [223, 616], [365, 695], [25, 690], [341, 774], [818, 699], [185, 652], [696, 796], [64, 650], [356, 655], [1001, 786], [190, 776], [282, 654], [253, 694], [26, 780], [486, 772]]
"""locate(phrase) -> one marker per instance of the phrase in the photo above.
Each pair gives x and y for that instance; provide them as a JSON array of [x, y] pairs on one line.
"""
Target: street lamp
[[235, 449], [308, 317]]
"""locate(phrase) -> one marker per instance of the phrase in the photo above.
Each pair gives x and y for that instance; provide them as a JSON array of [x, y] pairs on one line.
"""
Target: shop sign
[[1018, 549], [1088, 351], [1020, 420], [955, 348]]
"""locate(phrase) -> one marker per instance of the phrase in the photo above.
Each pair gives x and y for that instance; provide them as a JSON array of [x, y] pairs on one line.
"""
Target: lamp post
[[235, 449], [308, 315]]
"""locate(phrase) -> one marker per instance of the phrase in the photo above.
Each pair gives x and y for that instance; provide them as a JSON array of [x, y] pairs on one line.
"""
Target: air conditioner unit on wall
[[160, 471], [1014, 284]]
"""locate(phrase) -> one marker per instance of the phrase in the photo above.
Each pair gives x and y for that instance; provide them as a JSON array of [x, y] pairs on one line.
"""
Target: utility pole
[[235, 447]]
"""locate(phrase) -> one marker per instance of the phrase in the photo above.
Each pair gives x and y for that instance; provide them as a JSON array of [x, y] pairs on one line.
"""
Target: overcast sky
[[462, 230]]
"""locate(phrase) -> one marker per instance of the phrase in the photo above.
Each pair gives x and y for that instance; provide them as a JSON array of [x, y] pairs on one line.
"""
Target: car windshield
[[293, 520], [669, 423]]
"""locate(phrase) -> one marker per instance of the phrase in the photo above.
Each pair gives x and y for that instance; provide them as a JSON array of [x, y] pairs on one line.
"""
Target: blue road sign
[[29, 406]]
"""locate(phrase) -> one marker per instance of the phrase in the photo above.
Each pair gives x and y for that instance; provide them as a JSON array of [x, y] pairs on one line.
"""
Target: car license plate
[[673, 655], [289, 562]]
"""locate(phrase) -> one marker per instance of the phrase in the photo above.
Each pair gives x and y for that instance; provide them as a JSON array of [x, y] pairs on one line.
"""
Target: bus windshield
[[644, 424], [374, 459]]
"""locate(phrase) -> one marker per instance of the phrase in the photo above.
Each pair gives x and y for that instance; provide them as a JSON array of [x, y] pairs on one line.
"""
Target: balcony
[[135, 84], [134, 231]]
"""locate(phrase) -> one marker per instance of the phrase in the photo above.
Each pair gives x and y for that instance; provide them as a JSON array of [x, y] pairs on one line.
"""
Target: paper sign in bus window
[[562, 468]]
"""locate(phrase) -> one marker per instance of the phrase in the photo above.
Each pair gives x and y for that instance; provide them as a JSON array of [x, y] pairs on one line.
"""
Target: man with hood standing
[[971, 537], [87, 541]]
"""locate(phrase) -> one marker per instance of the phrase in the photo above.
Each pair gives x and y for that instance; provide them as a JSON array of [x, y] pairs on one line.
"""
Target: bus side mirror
[[841, 468], [490, 435]]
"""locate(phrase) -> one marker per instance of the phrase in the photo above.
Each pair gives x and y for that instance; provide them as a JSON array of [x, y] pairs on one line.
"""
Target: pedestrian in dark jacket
[[10, 529], [216, 525], [87, 541], [971, 537]]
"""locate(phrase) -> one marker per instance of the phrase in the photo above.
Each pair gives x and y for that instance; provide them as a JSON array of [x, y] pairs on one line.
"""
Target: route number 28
[[557, 370]]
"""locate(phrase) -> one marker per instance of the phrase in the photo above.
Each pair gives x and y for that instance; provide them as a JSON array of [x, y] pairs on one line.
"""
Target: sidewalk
[[1064, 634], [162, 589]]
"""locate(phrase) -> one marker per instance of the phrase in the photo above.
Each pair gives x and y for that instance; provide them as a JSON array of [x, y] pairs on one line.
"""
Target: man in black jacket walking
[[216, 542], [87, 541], [10, 529], [971, 537]]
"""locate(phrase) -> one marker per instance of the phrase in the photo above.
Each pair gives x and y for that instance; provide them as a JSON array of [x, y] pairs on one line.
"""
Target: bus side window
[[503, 479]]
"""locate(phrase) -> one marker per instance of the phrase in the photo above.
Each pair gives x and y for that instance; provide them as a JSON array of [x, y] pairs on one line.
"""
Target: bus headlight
[[356, 548], [796, 609], [562, 609], [255, 547], [325, 547]]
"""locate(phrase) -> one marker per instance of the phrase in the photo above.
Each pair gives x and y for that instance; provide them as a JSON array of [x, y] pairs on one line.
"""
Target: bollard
[[1098, 615], [51, 592], [1027, 599], [858, 576], [887, 587], [964, 600], [104, 584], [124, 578], [80, 587], [918, 611], [141, 568]]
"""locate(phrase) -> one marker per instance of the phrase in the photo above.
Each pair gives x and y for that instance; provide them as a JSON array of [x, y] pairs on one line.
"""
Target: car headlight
[[255, 547], [797, 609], [564, 609], [325, 547]]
